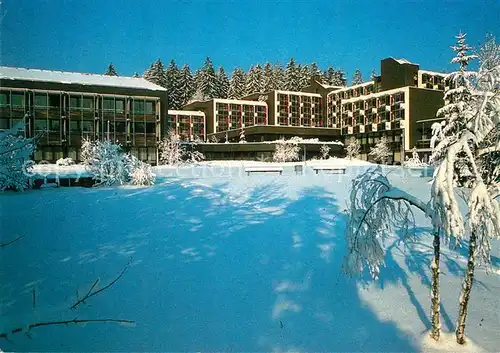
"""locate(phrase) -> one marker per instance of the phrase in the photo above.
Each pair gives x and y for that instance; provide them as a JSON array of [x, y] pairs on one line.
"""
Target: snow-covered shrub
[[64, 162], [286, 150], [353, 148], [324, 152], [170, 149], [106, 162], [381, 151], [140, 173], [414, 161], [15, 157]]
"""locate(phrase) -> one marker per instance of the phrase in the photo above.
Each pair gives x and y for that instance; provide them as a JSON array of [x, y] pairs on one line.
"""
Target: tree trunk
[[435, 300], [466, 289]]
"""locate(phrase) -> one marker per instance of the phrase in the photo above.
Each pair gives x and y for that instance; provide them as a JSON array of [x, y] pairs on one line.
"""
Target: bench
[[333, 169], [264, 170]]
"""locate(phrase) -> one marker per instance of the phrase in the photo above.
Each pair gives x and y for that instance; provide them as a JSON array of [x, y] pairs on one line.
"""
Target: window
[[150, 128], [40, 124], [138, 106], [139, 128], [149, 108], [74, 126], [120, 127], [54, 125], [108, 104], [88, 102], [120, 105], [86, 126], [75, 102], [4, 98], [54, 100], [4, 124], [17, 99]]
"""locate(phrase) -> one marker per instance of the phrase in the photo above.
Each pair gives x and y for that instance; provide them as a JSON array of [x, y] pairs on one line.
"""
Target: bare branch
[[64, 322], [90, 293], [2, 245]]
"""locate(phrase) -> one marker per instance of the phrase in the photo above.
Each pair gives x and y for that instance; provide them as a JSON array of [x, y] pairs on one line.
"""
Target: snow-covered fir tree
[[329, 76], [357, 78], [111, 71], [237, 84], [324, 152], [136, 75], [315, 71], [279, 77], [187, 84], [304, 76], [15, 159], [286, 150], [268, 78], [255, 80], [222, 84], [373, 75], [339, 78], [156, 74], [353, 148], [381, 151], [292, 76], [174, 86], [207, 80]]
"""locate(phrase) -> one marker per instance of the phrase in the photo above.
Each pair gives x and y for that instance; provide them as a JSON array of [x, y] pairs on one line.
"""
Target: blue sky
[[86, 35]]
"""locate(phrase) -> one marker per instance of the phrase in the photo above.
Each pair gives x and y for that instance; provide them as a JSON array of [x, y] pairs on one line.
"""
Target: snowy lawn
[[221, 261]]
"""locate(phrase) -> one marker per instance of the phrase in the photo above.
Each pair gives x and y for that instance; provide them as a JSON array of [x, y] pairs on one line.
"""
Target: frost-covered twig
[[91, 291], [28, 328], [2, 245]]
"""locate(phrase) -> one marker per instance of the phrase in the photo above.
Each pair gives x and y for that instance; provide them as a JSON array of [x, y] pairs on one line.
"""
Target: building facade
[[400, 104], [60, 109], [189, 125]]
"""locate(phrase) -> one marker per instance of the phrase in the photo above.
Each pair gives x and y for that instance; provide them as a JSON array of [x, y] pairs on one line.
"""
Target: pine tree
[[339, 78], [357, 78], [172, 74], [279, 77], [292, 76], [156, 74], [237, 87], [329, 76], [373, 75], [268, 77], [314, 71], [304, 76], [208, 80], [111, 71], [222, 84], [187, 84], [136, 75], [255, 80]]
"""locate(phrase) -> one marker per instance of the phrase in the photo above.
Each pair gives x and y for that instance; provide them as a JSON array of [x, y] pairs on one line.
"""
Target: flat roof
[[17, 73]]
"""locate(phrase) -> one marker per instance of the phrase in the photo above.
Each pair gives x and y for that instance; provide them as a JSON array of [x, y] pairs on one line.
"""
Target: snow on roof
[[16, 73], [329, 86], [186, 112], [433, 73], [404, 61]]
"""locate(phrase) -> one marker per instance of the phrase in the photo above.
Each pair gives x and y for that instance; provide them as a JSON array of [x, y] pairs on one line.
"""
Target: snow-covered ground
[[224, 262]]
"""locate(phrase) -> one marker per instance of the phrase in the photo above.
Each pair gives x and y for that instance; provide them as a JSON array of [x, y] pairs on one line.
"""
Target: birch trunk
[[466, 289], [435, 300]]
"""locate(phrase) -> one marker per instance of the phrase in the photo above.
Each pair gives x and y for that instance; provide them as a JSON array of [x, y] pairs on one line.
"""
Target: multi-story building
[[189, 125], [223, 115], [62, 108], [390, 106]]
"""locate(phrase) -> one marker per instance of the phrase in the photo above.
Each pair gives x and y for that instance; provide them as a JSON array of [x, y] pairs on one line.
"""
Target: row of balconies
[[255, 114], [364, 128]]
